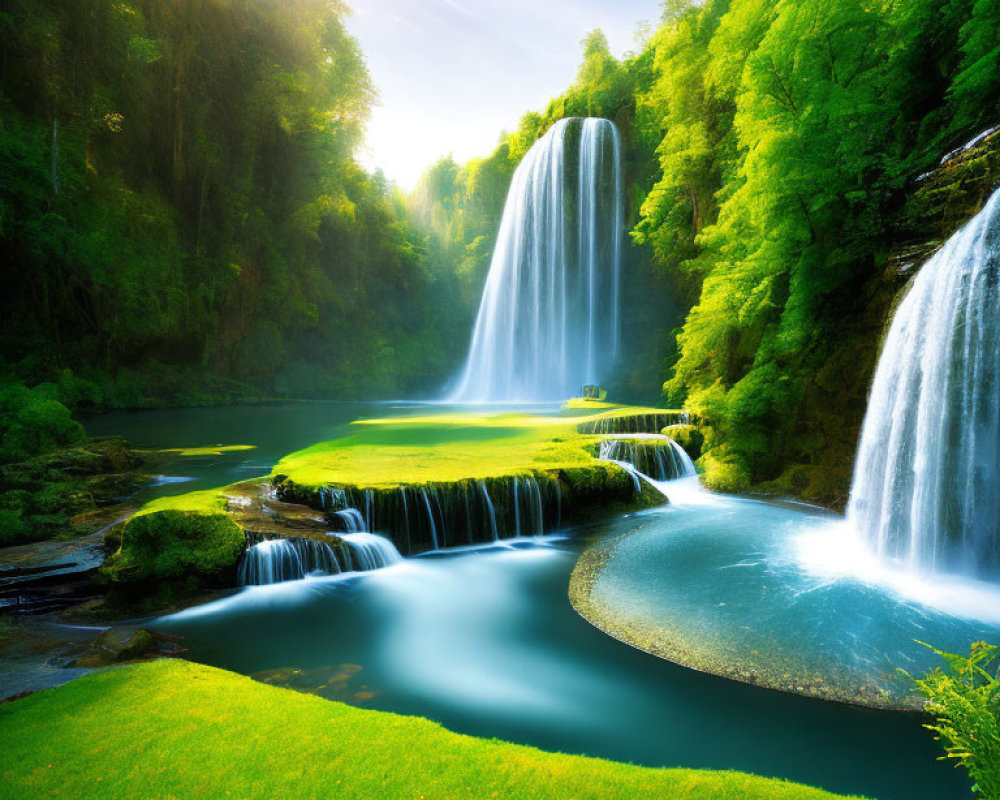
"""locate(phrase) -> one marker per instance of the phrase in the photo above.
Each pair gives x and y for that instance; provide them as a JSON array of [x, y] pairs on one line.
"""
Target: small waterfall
[[352, 520], [517, 507], [430, 518], [659, 457], [278, 560], [369, 551], [491, 511], [332, 498], [406, 513], [548, 321], [926, 490], [439, 516]]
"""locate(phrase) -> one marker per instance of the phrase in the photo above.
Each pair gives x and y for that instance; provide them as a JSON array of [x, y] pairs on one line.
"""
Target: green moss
[[388, 453], [207, 501], [12, 527], [724, 471], [180, 730], [188, 549], [587, 404], [687, 436]]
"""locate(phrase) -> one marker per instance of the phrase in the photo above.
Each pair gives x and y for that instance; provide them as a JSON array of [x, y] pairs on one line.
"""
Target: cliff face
[[821, 448]]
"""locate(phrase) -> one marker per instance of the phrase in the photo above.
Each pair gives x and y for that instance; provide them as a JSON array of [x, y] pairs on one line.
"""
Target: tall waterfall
[[926, 489], [548, 321]]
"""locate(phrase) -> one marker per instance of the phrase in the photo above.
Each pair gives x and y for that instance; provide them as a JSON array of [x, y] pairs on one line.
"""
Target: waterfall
[[278, 560], [430, 518], [368, 551], [440, 516], [352, 519], [659, 457], [548, 321], [926, 491], [491, 511]]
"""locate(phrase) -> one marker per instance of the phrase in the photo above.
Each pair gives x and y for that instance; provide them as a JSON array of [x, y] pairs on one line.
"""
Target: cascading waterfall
[[490, 509], [430, 518], [352, 520], [926, 491], [548, 321], [369, 551], [279, 560], [420, 518], [657, 456]]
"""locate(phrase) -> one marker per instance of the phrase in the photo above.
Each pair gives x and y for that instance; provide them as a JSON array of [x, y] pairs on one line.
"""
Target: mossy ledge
[[632, 420], [425, 482], [450, 480]]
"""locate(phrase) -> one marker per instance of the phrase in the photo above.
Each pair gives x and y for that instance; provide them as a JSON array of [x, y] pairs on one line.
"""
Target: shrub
[[32, 422], [964, 698], [12, 527]]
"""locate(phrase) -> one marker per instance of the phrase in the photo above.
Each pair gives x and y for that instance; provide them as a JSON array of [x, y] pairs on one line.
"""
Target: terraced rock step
[[625, 421], [425, 483]]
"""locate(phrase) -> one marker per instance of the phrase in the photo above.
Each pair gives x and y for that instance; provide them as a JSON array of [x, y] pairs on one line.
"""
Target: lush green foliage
[[965, 699], [174, 729], [179, 206], [789, 132], [33, 421], [48, 472]]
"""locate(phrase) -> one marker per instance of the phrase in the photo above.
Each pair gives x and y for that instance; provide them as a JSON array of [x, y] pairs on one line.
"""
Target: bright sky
[[453, 74]]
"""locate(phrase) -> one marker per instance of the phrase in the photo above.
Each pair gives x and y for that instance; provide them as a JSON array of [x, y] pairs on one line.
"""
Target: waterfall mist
[[548, 321]]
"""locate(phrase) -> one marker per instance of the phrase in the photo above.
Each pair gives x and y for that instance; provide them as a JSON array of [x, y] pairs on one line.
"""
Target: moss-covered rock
[[687, 436], [40, 497], [452, 479], [182, 550], [118, 645], [724, 471]]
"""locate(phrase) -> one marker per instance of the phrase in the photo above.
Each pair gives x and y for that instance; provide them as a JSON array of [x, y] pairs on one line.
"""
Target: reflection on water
[[485, 641]]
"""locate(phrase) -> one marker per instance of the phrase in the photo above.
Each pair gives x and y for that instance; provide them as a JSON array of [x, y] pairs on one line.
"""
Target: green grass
[[385, 453], [172, 729], [206, 501]]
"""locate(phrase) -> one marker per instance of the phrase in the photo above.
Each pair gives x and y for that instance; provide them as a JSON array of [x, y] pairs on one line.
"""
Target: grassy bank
[[172, 729]]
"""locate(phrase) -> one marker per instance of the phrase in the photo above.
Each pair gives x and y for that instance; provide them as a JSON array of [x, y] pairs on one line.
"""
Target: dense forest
[[182, 214], [185, 222]]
